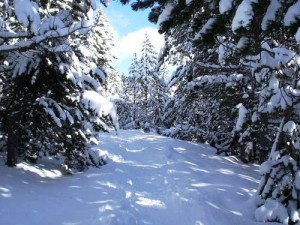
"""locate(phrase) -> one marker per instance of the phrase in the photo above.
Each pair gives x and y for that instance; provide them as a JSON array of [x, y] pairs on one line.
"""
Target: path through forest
[[149, 180]]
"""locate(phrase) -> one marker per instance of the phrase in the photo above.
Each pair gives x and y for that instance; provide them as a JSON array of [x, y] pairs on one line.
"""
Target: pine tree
[[49, 97], [146, 89], [264, 35], [101, 41], [147, 76], [134, 89]]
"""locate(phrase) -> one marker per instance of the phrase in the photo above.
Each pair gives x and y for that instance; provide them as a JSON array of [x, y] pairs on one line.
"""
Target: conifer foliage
[[145, 89], [51, 103], [261, 37]]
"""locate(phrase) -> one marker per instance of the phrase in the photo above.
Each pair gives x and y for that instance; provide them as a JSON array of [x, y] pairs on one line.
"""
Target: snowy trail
[[149, 179]]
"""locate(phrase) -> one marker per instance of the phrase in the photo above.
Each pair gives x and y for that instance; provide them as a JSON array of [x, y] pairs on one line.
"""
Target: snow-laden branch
[[11, 35], [216, 79], [36, 40]]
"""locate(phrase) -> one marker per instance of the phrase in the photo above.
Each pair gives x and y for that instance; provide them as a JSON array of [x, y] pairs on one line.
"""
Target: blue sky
[[129, 29]]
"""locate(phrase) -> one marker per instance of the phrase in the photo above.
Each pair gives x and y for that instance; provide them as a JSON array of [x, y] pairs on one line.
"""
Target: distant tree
[[262, 36], [149, 84], [146, 88], [134, 90]]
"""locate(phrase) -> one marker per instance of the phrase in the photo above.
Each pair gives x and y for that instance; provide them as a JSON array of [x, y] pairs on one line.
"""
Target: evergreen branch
[[36, 40]]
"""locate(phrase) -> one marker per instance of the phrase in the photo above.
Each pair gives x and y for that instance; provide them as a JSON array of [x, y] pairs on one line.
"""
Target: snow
[[292, 15], [54, 117], [279, 99], [27, 14], [265, 167], [221, 54], [274, 84], [294, 212], [272, 210], [292, 91], [63, 114], [244, 15], [297, 180], [148, 180], [206, 28], [62, 32], [270, 15], [223, 50], [165, 14], [289, 127], [243, 42], [297, 35], [101, 105], [225, 6], [51, 23], [241, 118], [283, 55], [254, 117]]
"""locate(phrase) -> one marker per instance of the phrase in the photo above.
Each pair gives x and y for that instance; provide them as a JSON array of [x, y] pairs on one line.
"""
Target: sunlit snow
[[149, 180]]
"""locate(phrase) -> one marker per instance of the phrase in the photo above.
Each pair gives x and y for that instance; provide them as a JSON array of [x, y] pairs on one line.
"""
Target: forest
[[235, 88]]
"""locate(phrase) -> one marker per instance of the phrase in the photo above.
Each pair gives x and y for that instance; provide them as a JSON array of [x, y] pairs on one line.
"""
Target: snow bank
[[272, 211]]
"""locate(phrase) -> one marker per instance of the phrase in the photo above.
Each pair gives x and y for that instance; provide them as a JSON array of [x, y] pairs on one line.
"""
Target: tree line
[[237, 87]]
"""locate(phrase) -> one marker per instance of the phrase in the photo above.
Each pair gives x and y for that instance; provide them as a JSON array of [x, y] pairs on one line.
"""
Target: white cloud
[[132, 43]]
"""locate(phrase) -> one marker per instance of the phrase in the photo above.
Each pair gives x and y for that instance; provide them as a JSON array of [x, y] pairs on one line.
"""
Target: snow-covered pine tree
[[113, 89], [101, 41], [146, 89], [264, 34], [133, 90], [46, 103], [200, 82], [115, 93], [125, 106], [152, 87], [95, 60]]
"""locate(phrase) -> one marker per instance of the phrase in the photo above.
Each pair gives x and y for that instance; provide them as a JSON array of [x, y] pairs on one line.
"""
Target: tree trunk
[[278, 143], [12, 141]]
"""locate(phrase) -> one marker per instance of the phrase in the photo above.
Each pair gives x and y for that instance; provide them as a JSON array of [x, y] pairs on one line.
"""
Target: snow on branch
[[225, 6], [242, 117], [12, 34], [213, 79], [36, 40], [63, 113], [27, 14], [208, 26], [270, 15], [100, 105], [244, 15], [292, 15]]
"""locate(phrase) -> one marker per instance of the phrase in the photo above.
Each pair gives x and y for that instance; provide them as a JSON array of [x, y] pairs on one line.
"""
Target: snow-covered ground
[[149, 180]]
